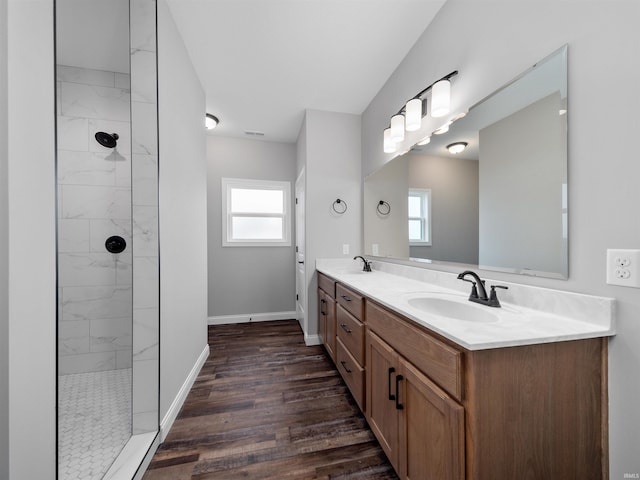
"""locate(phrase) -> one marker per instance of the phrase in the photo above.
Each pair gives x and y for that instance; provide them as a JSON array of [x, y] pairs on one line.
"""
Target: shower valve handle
[[115, 244]]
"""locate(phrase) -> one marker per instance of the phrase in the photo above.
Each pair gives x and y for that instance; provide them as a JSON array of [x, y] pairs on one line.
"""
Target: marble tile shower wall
[[94, 202], [146, 273]]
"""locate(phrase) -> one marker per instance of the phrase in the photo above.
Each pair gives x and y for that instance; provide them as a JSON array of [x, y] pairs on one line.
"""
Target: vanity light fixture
[[440, 98], [409, 117], [424, 141], [413, 111], [457, 147], [389, 145], [211, 121], [443, 129], [397, 128]]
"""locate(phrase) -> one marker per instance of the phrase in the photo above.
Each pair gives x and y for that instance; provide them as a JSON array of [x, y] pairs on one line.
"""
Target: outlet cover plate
[[623, 267]]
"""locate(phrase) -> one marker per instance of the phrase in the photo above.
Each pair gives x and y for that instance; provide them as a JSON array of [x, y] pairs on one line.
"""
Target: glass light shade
[[210, 122], [425, 140], [440, 98], [397, 128], [413, 111], [443, 129], [457, 147], [389, 145]]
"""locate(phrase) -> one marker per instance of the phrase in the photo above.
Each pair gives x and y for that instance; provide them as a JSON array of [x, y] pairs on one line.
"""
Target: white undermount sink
[[453, 308]]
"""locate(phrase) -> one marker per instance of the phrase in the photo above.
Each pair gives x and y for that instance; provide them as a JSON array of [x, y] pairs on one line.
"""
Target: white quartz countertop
[[529, 315]]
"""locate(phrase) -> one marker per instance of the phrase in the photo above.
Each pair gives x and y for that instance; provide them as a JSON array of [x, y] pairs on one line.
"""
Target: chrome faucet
[[367, 265], [479, 294]]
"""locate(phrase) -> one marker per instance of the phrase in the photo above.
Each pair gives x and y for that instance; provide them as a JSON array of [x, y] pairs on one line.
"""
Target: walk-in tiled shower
[[107, 222]]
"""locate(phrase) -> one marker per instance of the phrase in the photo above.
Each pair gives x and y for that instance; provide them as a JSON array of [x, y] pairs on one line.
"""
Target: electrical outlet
[[375, 250], [345, 249], [623, 267]]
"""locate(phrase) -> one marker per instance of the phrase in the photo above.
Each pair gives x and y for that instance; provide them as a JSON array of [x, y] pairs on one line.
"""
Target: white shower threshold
[[134, 457]]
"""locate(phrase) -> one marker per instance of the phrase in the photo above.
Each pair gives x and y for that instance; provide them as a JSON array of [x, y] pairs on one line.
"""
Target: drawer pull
[[344, 365], [346, 298], [391, 395], [399, 406], [323, 302], [345, 328]]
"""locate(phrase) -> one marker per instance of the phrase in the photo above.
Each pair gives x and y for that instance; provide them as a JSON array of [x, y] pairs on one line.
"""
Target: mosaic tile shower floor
[[94, 422]]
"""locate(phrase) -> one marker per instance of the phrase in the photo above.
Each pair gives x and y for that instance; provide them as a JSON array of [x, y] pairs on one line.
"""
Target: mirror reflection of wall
[[501, 202], [521, 179], [454, 206]]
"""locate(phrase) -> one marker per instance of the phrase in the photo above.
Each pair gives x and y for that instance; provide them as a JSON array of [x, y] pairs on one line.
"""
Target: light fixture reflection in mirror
[[498, 203], [457, 147]]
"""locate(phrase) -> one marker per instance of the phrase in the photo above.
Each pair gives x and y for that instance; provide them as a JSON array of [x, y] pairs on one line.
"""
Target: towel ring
[[383, 208], [339, 206]]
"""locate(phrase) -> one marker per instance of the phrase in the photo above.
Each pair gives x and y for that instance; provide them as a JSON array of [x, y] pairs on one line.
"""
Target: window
[[255, 213], [419, 217]]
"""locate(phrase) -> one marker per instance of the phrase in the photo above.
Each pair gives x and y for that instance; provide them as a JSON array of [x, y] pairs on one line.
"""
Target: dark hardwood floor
[[265, 406]]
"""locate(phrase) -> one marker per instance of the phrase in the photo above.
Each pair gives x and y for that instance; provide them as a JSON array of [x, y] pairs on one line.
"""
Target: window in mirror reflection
[[420, 217]]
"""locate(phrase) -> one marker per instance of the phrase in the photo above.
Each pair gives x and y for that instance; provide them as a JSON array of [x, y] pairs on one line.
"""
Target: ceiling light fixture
[[409, 117], [457, 147], [211, 121]]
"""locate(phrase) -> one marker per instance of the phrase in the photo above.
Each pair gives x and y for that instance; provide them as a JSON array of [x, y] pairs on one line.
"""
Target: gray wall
[[454, 206], [529, 146], [332, 165], [495, 41], [389, 232], [248, 280], [183, 215], [4, 252], [32, 254]]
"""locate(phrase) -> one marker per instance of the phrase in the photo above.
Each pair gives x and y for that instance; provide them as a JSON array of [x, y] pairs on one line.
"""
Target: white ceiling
[[263, 62]]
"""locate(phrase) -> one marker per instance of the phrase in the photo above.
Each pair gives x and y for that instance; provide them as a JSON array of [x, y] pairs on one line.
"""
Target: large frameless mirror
[[498, 202]]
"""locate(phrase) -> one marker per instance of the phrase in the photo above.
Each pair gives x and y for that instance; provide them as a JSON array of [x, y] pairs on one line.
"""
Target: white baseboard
[[176, 405], [251, 317], [312, 340]]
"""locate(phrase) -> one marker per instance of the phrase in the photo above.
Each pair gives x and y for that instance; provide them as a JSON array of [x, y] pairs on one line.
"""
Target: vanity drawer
[[437, 360], [351, 332], [327, 284], [350, 300], [352, 373]]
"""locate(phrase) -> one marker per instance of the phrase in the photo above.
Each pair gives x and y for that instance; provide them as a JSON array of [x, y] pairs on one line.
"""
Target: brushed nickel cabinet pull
[[345, 328]]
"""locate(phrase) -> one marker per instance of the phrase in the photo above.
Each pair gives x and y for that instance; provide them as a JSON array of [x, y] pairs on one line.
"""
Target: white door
[[301, 284]]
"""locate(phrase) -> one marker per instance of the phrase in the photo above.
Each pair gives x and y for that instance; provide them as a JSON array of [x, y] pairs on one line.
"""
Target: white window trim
[[228, 184], [425, 197]]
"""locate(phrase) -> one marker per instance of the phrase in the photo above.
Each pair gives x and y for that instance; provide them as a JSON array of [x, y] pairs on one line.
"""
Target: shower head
[[108, 140]]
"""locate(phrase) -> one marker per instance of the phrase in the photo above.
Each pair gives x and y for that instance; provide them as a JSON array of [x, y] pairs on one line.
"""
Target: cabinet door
[[431, 435], [322, 316], [330, 327], [382, 364]]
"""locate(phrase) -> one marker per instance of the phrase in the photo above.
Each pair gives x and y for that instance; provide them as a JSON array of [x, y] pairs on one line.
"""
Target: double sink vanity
[[454, 389]]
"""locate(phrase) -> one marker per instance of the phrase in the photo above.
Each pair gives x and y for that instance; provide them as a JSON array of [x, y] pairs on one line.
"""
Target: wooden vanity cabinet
[[419, 426], [350, 333], [327, 314], [443, 412]]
